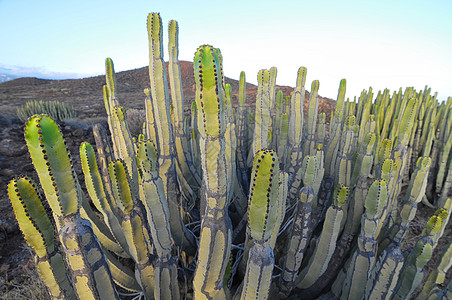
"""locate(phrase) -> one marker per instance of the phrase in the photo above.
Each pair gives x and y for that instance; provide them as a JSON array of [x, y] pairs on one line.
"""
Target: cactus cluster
[[59, 111], [241, 202]]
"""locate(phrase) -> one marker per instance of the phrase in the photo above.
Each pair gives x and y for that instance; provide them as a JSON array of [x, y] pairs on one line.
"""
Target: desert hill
[[85, 95]]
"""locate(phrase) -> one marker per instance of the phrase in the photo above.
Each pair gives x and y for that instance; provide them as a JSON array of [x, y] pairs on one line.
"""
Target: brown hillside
[[85, 95]]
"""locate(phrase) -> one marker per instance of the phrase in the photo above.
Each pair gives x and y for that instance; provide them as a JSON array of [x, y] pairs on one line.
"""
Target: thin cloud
[[20, 71]]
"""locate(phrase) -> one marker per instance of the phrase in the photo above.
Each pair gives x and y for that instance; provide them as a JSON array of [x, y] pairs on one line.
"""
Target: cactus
[[263, 217], [302, 227], [295, 150], [327, 240], [89, 274], [164, 143], [438, 274], [59, 111], [262, 119], [215, 239], [363, 259], [196, 208], [39, 234], [383, 277]]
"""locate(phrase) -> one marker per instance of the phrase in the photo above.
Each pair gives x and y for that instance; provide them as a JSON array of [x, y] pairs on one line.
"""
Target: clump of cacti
[[215, 206], [59, 111]]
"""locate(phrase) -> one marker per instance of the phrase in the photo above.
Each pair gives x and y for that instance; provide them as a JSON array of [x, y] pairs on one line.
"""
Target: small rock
[[4, 268], [78, 132], [5, 121], [7, 172], [14, 152], [69, 142], [28, 168]]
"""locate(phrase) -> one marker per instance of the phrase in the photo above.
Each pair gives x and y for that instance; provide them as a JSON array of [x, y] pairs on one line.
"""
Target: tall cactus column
[[263, 218], [186, 169], [215, 240], [295, 135], [262, 115], [165, 143]]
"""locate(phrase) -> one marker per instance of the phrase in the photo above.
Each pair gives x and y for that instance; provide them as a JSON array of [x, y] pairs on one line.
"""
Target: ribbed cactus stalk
[[263, 117], [165, 272], [345, 153], [320, 155], [383, 153], [335, 131], [87, 267], [367, 119], [363, 259], [283, 137], [123, 145], [215, 240], [186, 169], [273, 73], [295, 135], [150, 126], [296, 109], [133, 224], [321, 129], [310, 140], [262, 220], [411, 274], [443, 162], [415, 193], [276, 122], [164, 130], [39, 234], [236, 191], [101, 199], [302, 227], [438, 275], [282, 196], [327, 240], [242, 136], [383, 277]]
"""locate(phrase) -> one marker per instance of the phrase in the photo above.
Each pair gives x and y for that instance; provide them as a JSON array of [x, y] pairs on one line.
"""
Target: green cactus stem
[[90, 274], [263, 116], [295, 146], [302, 227], [327, 240], [39, 234], [311, 122], [215, 240], [335, 131], [188, 171], [383, 277], [364, 257], [263, 216]]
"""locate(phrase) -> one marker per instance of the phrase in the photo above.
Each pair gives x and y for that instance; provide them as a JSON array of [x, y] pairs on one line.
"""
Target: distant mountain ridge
[[7, 77], [10, 73]]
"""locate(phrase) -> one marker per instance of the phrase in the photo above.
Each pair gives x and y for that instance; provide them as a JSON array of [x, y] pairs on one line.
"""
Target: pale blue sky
[[370, 43]]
